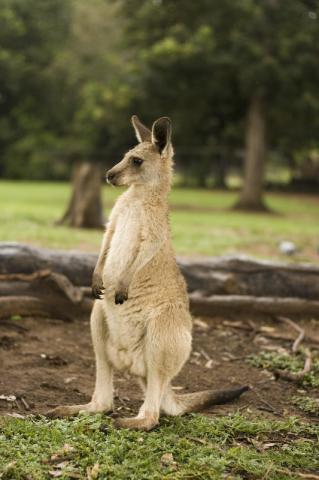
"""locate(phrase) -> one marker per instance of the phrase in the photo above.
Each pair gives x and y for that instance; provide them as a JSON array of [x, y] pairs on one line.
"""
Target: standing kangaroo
[[142, 322]]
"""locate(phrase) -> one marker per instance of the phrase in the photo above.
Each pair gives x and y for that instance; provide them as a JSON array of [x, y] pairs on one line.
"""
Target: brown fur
[[142, 323]]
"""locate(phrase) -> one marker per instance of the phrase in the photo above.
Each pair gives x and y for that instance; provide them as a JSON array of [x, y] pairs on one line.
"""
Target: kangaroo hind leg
[[149, 412], [102, 398], [167, 346]]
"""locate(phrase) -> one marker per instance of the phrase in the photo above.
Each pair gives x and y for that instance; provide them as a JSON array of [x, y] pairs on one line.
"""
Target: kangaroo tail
[[194, 402]]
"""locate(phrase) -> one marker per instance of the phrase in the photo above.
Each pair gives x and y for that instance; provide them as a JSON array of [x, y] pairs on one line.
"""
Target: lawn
[[202, 222], [195, 447], [243, 444]]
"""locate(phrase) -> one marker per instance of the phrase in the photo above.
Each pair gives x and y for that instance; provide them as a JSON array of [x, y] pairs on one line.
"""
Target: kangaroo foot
[[137, 423], [71, 410]]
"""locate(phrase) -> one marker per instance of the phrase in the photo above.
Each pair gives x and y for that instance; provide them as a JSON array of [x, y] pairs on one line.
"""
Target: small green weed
[[307, 404], [284, 361]]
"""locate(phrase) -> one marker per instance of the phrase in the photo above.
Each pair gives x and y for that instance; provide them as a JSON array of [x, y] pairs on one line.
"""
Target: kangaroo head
[[149, 160]]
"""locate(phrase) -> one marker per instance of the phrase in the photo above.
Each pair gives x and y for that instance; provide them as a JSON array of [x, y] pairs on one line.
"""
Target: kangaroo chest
[[124, 243]]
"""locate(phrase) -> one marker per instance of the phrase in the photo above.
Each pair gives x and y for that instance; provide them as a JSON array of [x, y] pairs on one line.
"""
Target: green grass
[[196, 447], [202, 223], [273, 361], [307, 404]]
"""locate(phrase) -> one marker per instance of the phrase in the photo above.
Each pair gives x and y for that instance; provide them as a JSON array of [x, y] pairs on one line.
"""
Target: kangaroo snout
[[110, 177]]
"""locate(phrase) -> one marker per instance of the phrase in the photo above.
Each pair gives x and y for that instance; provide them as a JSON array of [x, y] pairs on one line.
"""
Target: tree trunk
[[85, 206], [251, 197], [221, 171]]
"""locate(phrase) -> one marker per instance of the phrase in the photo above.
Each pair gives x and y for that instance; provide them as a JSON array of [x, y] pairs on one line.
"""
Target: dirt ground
[[45, 363]]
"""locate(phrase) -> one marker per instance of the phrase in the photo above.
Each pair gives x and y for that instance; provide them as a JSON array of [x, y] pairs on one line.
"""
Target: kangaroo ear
[[161, 133], [143, 134]]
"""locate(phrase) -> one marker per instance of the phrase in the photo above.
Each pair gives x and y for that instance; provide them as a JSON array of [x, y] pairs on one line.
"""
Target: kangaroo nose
[[110, 176]]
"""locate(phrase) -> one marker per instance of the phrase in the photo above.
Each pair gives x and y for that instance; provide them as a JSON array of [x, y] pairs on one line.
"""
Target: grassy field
[[202, 223], [195, 447], [241, 445]]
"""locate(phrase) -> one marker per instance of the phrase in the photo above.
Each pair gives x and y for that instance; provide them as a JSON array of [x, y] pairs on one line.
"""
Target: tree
[[212, 64], [92, 70], [30, 35], [255, 153], [181, 74], [271, 47]]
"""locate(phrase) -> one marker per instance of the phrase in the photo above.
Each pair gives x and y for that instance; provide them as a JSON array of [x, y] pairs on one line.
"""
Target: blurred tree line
[[239, 78]]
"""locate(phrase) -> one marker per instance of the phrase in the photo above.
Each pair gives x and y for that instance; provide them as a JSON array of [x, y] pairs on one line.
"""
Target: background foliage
[[73, 72]]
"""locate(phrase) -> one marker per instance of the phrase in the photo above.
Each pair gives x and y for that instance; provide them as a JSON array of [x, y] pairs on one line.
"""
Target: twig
[[25, 277], [205, 355], [276, 336], [300, 330], [297, 376], [11, 324], [309, 476], [25, 403], [270, 408]]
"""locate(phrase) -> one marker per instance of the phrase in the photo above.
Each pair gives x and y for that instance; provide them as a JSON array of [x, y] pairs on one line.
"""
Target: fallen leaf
[[8, 398], [267, 329], [55, 473], [93, 472], [167, 460], [15, 415], [63, 453], [269, 445], [69, 379], [200, 324], [197, 440], [62, 464]]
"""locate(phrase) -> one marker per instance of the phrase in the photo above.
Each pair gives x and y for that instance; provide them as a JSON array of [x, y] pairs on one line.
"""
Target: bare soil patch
[[45, 363]]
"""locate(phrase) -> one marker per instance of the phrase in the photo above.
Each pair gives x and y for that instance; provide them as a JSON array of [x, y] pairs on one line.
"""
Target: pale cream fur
[[142, 324], [149, 335]]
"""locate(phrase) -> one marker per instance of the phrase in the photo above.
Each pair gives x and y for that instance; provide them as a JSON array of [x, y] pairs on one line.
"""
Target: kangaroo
[[141, 321]]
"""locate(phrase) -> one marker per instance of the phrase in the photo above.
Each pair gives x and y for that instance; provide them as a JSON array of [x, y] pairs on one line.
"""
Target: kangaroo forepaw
[[121, 297], [97, 286], [97, 289]]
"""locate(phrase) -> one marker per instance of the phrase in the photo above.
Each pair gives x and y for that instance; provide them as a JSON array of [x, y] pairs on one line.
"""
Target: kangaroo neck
[[151, 194]]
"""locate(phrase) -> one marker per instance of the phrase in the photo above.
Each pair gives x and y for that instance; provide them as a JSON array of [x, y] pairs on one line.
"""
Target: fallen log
[[60, 282], [206, 306], [211, 276], [245, 276], [42, 294], [19, 258]]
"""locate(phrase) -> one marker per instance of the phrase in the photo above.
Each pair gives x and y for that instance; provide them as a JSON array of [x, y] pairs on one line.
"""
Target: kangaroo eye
[[137, 161]]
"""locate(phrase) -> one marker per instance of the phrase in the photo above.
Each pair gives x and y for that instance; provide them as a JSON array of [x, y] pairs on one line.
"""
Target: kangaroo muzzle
[[111, 177]]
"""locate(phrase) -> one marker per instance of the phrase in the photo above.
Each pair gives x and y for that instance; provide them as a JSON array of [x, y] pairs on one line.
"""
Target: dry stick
[[25, 277], [296, 377], [292, 376], [25, 403], [285, 374], [309, 476], [276, 336], [11, 324], [267, 406], [301, 331], [73, 293]]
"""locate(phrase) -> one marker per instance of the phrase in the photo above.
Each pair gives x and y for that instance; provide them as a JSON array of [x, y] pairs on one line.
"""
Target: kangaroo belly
[[125, 345]]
